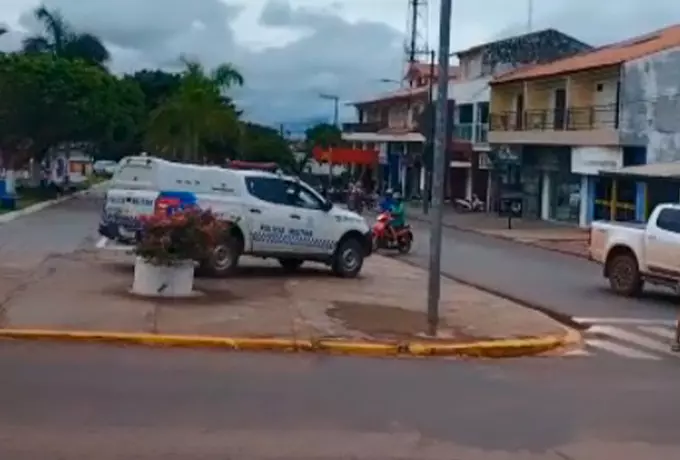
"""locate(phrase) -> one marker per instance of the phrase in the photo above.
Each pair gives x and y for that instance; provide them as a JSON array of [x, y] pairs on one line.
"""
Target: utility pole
[[429, 145], [434, 281], [530, 16], [413, 33]]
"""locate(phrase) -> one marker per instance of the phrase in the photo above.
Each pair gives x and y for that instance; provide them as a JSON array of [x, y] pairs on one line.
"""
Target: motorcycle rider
[[387, 201], [398, 214]]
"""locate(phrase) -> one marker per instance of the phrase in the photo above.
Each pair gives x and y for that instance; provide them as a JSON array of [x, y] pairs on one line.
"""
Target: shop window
[[565, 193]]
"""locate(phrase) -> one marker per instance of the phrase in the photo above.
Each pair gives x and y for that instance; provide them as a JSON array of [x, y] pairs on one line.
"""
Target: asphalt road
[[85, 402], [60, 229], [557, 281], [564, 283]]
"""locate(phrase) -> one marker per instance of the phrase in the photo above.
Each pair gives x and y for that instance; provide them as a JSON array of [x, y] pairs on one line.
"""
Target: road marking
[[639, 340], [101, 244], [660, 331], [633, 321], [577, 352], [620, 349]]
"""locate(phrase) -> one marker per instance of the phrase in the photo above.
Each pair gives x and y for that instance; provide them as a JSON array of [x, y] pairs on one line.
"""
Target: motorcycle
[[473, 205], [384, 239]]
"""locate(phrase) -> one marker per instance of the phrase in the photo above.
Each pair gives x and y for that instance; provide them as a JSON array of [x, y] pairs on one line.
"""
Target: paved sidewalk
[[89, 291], [547, 235]]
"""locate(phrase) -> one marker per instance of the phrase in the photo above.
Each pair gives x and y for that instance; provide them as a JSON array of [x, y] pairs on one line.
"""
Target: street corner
[[86, 297]]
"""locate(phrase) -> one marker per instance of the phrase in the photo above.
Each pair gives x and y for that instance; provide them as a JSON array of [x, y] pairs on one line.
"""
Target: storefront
[[654, 183], [606, 197], [548, 184]]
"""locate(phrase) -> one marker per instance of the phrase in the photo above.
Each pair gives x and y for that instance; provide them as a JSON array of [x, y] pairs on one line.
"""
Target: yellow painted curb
[[504, 348], [486, 349]]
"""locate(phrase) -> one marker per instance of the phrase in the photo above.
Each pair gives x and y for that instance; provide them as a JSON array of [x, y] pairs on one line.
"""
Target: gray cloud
[[333, 55]]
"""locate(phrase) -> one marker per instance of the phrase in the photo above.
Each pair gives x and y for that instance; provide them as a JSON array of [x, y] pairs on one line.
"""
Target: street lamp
[[439, 154], [336, 116], [336, 105]]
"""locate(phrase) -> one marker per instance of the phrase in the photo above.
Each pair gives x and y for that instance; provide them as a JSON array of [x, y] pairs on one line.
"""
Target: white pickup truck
[[275, 216], [632, 254]]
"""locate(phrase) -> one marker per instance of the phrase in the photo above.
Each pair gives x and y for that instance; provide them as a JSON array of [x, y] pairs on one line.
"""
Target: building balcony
[[482, 133], [475, 133], [372, 127], [463, 131], [595, 125]]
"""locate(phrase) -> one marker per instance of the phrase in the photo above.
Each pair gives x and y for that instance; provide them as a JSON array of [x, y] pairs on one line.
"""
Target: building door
[[605, 105], [560, 108], [519, 112]]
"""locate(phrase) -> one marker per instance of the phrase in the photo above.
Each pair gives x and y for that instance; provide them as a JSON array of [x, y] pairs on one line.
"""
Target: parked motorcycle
[[472, 205], [383, 238]]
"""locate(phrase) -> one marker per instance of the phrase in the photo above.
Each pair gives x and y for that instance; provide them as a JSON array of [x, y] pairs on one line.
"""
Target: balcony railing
[[363, 127], [463, 131], [573, 119], [482, 133]]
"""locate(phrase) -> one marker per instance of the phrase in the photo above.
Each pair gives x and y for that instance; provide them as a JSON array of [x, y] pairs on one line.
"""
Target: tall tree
[[264, 144], [61, 40], [157, 85], [46, 102], [197, 113], [322, 135]]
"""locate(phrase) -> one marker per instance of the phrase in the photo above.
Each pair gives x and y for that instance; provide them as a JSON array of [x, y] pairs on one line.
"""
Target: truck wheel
[[224, 258], [291, 265], [348, 259], [624, 275]]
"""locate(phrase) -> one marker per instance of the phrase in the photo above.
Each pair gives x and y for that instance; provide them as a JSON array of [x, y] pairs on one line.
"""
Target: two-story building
[[471, 92], [555, 126], [390, 123]]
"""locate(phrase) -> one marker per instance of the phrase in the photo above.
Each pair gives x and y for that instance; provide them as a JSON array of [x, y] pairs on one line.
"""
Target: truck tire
[[624, 275], [290, 265], [224, 258], [348, 258]]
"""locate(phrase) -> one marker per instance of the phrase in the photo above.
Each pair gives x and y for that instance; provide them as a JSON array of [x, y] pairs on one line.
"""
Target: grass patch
[[28, 196]]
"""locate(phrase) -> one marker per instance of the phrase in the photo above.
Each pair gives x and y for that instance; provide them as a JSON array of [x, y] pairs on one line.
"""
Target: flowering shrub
[[188, 234]]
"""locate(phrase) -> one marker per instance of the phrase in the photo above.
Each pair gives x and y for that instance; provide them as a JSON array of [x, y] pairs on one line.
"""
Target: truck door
[[310, 226], [267, 214], [662, 244]]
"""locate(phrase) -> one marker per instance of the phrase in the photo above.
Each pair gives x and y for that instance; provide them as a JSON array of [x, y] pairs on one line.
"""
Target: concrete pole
[[429, 139], [336, 121], [439, 155]]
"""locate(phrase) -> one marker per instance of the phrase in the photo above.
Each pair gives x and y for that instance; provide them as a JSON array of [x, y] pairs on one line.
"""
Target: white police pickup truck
[[276, 216]]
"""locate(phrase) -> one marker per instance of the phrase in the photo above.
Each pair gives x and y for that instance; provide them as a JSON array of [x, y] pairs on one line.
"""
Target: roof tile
[[613, 54]]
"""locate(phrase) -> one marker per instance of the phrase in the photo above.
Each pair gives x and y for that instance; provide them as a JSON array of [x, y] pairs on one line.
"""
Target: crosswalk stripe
[[577, 352], [636, 339], [628, 321], [620, 349], [660, 331]]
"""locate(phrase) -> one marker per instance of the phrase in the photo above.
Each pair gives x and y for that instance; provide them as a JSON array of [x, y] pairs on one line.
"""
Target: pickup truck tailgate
[[123, 208]]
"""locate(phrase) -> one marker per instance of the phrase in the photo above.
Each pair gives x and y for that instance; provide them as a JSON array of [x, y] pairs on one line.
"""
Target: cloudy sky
[[292, 50]]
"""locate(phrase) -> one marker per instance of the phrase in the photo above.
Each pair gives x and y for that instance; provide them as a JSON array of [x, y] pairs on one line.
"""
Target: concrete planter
[[163, 281]]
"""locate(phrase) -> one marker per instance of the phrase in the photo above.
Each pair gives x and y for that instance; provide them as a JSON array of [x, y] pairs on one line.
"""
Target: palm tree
[[59, 39], [195, 114]]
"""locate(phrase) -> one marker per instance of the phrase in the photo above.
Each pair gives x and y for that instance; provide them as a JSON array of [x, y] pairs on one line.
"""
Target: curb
[[505, 348], [504, 238], [562, 318], [12, 215]]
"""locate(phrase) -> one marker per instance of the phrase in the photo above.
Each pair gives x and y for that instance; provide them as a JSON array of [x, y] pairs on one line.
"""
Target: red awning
[[344, 155]]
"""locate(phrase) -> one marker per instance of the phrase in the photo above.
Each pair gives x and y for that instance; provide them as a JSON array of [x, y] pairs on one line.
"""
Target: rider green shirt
[[398, 218]]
